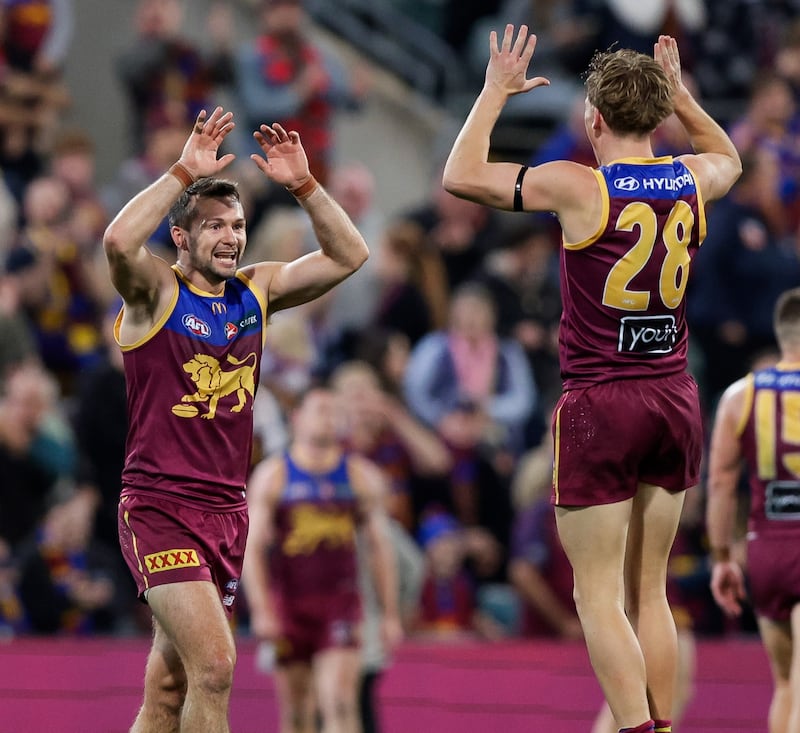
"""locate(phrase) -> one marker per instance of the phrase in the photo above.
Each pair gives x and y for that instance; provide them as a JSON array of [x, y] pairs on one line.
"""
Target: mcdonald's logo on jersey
[[218, 308]]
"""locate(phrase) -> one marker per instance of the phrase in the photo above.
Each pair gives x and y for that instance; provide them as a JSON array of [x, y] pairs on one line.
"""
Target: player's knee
[[167, 692], [214, 675]]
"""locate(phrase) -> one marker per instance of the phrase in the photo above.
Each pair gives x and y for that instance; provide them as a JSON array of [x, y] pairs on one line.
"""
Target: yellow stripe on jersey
[[601, 181]]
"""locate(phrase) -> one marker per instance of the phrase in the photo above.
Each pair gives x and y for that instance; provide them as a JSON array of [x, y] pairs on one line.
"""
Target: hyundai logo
[[629, 183]]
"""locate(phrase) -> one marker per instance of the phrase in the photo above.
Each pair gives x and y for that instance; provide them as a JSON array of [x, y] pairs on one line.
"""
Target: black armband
[[518, 188]]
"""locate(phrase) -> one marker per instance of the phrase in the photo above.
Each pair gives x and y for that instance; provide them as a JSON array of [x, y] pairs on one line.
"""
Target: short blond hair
[[630, 90]]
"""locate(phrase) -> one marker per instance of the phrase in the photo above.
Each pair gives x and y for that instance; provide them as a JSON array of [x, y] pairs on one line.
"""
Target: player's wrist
[[182, 173], [720, 553], [304, 189]]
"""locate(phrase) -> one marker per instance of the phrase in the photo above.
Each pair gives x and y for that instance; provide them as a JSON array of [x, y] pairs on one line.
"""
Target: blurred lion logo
[[213, 382]]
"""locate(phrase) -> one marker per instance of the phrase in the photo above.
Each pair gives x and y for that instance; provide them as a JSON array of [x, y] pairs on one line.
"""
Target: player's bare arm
[[263, 492], [342, 248], [142, 279], [371, 487], [716, 163], [566, 188], [725, 463]]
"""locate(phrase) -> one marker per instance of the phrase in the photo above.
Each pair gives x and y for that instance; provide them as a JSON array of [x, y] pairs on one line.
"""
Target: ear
[[179, 237], [597, 119]]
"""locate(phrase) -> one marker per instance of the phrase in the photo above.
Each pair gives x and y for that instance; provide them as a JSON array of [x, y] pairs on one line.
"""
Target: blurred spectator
[[377, 425], [66, 320], [538, 567], [284, 76], [162, 147], [738, 274], [27, 401], [766, 130], [731, 49], [387, 352], [12, 613], [461, 231], [101, 427], [168, 80], [18, 344], [521, 275], [412, 283], [287, 365], [352, 186], [449, 608], [35, 36], [475, 389], [64, 585]]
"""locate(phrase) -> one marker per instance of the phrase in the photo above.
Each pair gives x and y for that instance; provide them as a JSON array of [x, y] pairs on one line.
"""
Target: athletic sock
[[643, 728], [662, 726]]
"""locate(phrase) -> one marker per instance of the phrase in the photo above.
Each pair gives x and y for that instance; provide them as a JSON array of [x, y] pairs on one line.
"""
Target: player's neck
[[619, 148], [315, 457]]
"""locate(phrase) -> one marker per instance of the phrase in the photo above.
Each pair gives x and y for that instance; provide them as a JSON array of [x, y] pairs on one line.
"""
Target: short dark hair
[[630, 89], [183, 211], [786, 320]]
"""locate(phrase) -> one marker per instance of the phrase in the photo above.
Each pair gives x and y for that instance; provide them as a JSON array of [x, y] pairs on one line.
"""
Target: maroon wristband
[[304, 190], [181, 172]]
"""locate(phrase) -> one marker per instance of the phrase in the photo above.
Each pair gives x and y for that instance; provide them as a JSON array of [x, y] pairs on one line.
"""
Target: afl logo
[[628, 183], [231, 329], [196, 326]]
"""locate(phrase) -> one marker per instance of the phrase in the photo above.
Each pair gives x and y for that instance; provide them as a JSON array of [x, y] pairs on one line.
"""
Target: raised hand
[[665, 52], [284, 159], [508, 64], [200, 152]]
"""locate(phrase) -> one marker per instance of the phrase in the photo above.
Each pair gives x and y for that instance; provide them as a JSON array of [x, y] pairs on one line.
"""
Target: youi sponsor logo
[[647, 334]]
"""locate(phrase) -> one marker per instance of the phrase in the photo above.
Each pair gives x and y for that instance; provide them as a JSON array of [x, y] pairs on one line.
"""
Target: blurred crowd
[[443, 348]]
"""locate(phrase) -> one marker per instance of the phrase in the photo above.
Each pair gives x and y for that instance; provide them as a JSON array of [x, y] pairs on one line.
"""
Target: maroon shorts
[[773, 574], [311, 627], [612, 436], [165, 542]]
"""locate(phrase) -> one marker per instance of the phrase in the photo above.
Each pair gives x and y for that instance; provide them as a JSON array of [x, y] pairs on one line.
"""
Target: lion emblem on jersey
[[213, 383]]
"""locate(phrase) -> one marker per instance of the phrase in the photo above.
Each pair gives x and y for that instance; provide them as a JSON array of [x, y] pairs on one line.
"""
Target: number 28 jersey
[[624, 310]]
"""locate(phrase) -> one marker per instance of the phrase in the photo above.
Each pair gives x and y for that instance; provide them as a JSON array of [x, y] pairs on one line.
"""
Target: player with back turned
[[627, 429], [191, 336], [757, 425]]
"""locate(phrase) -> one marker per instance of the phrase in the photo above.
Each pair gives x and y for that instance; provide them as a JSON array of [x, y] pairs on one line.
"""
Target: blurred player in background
[[757, 424]]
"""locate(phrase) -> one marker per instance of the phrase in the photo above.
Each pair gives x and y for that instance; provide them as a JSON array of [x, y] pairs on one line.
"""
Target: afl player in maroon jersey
[[300, 574], [627, 430], [192, 335], [757, 425]]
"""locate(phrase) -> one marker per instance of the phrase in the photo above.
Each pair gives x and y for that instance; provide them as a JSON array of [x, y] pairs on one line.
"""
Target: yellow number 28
[[676, 235]]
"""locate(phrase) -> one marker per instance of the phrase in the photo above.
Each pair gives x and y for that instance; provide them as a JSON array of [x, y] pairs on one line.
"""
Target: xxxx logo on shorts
[[171, 560]]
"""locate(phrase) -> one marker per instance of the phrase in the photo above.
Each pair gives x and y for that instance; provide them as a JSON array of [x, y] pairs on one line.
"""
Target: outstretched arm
[[716, 164], [468, 172], [138, 275], [342, 248]]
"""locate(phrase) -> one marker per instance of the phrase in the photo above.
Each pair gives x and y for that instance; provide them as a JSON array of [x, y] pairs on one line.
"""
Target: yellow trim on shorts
[[747, 405], [139, 566], [556, 451]]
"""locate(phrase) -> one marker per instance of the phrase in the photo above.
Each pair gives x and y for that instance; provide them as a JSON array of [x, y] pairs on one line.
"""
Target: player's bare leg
[[191, 618], [594, 539], [784, 710], [654, 522], [296, 705], [164, 688], [336, 675]]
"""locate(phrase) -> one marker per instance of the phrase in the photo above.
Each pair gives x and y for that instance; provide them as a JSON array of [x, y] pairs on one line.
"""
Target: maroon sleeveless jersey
[[623, 288], [770, 440], [191, 383], [314, 555]]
